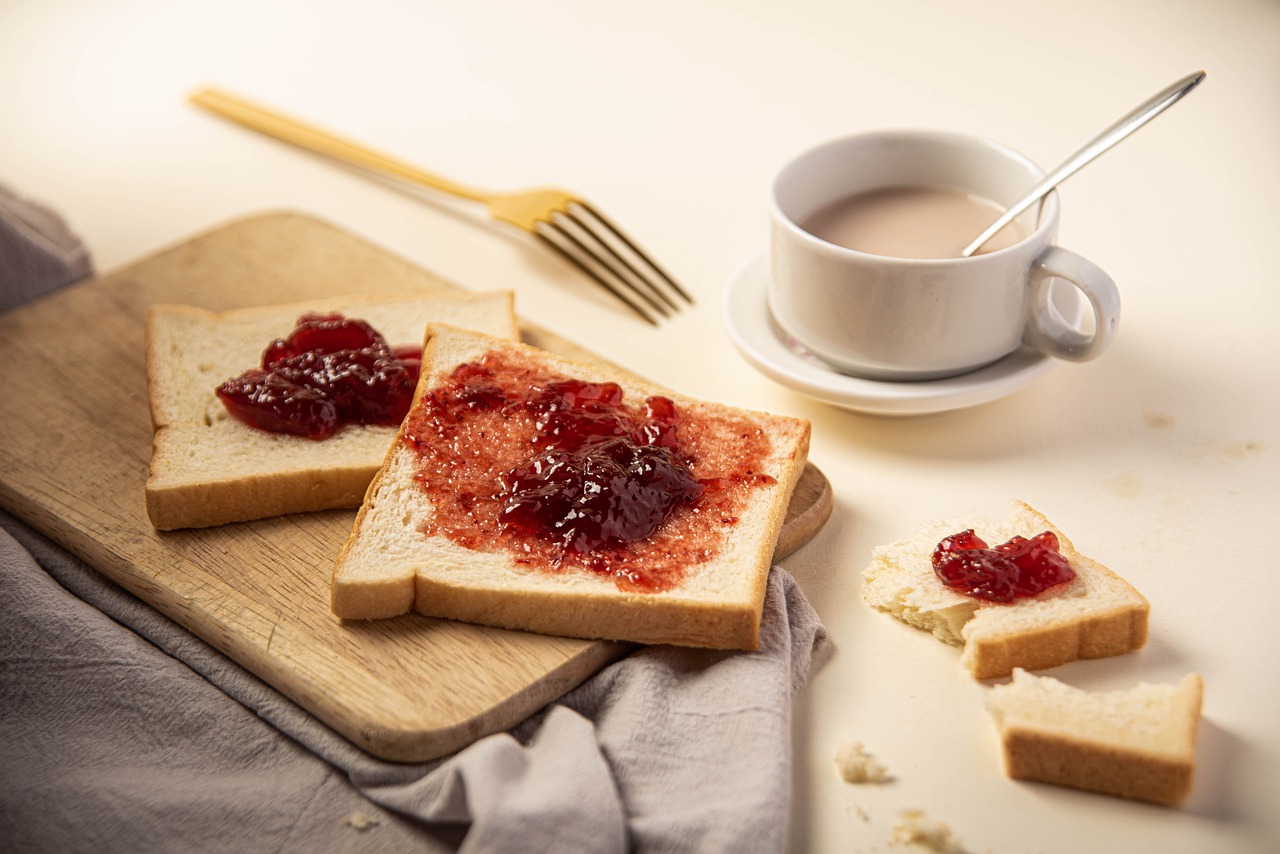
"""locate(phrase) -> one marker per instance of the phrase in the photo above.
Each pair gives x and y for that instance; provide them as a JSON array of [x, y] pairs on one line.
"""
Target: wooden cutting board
[[77, 444]]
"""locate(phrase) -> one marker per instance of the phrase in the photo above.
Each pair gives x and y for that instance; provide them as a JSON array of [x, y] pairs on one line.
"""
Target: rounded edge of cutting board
[[810, 508]]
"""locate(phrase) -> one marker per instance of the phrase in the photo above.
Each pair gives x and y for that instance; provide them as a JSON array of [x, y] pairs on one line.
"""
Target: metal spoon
[[1140, 115]]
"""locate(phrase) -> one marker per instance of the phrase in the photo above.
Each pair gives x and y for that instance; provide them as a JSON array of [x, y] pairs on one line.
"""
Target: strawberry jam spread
[[1019, 568], [329, 372], [566, 474]]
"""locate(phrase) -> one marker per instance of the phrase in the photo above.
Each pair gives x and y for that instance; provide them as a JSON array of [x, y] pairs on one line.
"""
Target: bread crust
[[1100, 635], [489, 588], [240, 499], [1059, 759]]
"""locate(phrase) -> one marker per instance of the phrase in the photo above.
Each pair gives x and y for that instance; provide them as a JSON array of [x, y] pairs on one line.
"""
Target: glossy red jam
[[1019, 568], [568, 474], [328, 373]]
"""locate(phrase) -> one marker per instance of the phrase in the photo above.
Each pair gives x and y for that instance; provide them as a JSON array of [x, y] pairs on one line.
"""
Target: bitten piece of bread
[[207, 468], [392, 563], [1095, 615], [1137, 744]]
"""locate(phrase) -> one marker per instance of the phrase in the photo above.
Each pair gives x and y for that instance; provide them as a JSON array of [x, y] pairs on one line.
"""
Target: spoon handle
[[1135, 119]]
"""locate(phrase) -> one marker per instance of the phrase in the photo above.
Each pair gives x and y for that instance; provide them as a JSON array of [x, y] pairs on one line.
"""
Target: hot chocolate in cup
[[857, 302]]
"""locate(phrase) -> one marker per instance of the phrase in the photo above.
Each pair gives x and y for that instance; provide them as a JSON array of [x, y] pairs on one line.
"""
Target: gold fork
[[567, 224]]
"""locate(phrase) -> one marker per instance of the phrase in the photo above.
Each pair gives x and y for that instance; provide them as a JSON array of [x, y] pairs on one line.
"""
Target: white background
[[1159, 459]]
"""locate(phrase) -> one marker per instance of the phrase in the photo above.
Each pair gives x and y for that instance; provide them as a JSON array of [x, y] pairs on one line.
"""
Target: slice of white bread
[[1139, 743], [1095, 615], [390, 565], [208, 468]]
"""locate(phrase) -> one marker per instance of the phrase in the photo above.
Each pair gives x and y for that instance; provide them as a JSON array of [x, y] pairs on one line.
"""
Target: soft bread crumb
[[857, 766], [915, 828], [360, 821]]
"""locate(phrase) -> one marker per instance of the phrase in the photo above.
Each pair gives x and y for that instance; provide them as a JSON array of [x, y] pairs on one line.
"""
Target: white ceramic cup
[[895, 319]]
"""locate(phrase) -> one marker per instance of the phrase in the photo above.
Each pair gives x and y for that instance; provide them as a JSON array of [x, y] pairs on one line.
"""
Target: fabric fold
[[38, 251], [669, 749]]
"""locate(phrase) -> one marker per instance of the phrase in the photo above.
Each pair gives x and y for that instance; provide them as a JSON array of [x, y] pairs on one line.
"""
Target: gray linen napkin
[[37, 251], [122, 731]]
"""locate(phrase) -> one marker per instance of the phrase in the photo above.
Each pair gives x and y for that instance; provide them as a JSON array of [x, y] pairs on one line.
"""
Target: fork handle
[[305, 136]]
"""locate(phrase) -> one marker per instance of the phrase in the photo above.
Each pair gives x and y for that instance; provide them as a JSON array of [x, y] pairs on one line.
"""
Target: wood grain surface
[[76, 447]]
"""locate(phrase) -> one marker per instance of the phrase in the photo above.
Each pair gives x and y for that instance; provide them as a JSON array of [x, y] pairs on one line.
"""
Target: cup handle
[[1047, 330]]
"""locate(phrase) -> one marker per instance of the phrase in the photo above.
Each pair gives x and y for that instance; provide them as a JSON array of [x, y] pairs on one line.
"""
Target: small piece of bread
[[1137, 744], [1095, 615], [916, 829], [857, 766], [207, 468], [391, 565]]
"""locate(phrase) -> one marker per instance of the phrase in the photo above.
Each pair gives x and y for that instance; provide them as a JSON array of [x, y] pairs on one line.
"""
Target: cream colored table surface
[[1160, 459]]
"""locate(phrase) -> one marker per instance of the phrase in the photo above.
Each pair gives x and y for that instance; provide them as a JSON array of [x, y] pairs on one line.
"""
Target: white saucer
[[746, 316]]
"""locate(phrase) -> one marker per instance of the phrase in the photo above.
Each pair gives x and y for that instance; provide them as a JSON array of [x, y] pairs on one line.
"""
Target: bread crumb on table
[[360, 821], [858, 766], [915, 828]]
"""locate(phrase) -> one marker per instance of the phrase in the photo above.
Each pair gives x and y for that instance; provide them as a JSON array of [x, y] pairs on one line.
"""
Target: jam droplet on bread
[[1013, 570], [564, 473], [329, 372]]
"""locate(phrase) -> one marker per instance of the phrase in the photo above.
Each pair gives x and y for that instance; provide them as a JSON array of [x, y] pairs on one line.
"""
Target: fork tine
[[577, 262], [608, 253], [622, 238], [606, 257]]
